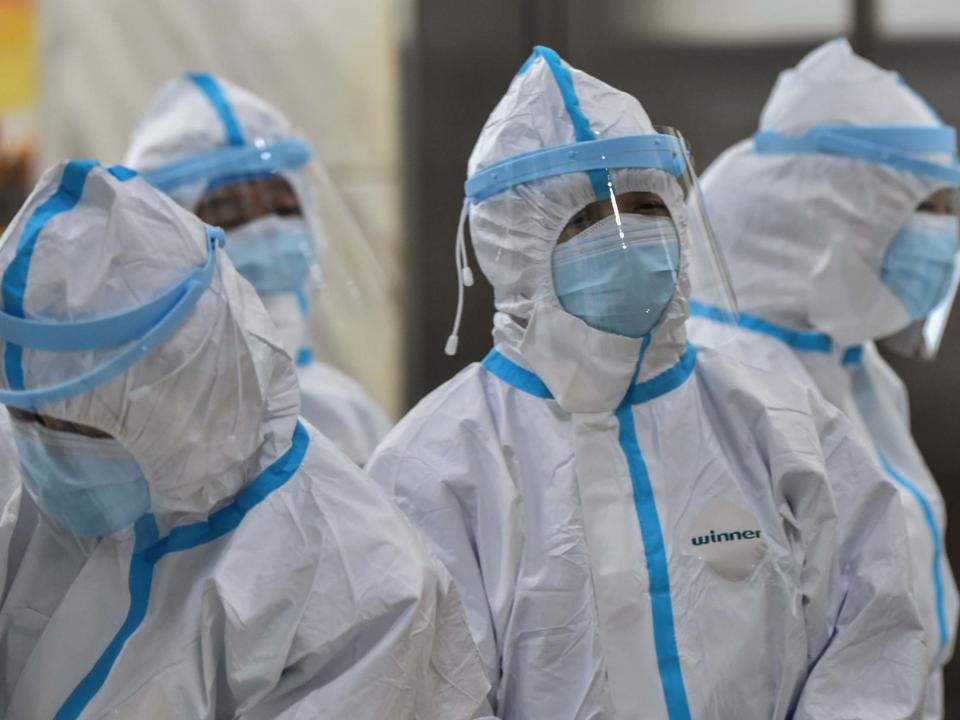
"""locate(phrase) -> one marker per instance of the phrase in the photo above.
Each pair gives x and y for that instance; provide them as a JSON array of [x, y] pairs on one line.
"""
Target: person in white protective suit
[[182, 546], [639, 529], [235, 161], [838, 221]]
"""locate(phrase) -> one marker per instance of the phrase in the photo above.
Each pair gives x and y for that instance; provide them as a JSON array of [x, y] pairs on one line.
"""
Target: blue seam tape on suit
[[937, 545], [149, 551], [664, 632], [665, 640]]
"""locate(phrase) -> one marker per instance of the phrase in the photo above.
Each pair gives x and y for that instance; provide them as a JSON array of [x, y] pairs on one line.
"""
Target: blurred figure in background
[[636, 528], [235, 161], [182, 546], [15, 162], [16, 159], [838, 221]]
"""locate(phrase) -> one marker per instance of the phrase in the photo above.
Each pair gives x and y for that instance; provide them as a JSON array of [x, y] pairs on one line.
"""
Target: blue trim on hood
[[937, 546], [14, 281], [599, 179], [211, 89]]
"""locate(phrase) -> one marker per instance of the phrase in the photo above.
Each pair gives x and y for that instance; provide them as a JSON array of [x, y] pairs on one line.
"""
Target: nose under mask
[[919, 263], [91, 486], [619, 278]]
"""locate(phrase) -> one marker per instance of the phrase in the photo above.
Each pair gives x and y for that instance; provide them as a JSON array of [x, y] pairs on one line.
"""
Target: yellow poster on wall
[[18, 51]]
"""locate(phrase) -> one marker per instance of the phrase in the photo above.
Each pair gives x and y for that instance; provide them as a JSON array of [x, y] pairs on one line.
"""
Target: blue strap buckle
[[656, 151], [146, 327]]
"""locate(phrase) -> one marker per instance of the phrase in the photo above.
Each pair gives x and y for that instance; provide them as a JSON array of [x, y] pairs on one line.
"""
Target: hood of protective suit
[[203, 411], [184, 120], [194, 115], [805, 234], [515, 231]]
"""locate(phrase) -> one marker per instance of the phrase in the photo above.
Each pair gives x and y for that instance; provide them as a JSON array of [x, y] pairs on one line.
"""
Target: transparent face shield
[[290, 233], [617, 226], [922, 267]]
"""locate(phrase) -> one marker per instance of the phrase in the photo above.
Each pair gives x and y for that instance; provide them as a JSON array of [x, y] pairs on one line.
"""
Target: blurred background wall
[[330, 66], [393, 93]]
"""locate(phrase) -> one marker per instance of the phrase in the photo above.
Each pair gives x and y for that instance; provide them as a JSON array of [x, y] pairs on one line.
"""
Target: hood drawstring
[[464, 279]]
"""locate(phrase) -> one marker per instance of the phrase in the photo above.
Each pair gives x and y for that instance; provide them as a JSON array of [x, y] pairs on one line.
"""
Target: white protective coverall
[[9, 471], [270, 577], [190, 120], [804, 236], [572, 503]]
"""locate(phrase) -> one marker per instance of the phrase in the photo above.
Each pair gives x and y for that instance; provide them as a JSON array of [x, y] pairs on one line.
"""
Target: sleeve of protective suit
[[414, 644], [868, 658], [474, 533], [371, 626]]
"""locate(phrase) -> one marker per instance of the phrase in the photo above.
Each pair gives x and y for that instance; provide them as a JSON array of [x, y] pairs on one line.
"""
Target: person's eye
[[652, 208]]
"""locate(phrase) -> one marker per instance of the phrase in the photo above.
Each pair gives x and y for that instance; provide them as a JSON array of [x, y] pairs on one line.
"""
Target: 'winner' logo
[[715, 537]]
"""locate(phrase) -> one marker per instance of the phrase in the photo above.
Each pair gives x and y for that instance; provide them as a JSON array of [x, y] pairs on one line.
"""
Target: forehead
[[240, 188]]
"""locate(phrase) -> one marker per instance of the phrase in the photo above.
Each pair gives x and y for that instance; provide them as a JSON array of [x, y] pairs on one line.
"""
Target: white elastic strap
[[464, 279]]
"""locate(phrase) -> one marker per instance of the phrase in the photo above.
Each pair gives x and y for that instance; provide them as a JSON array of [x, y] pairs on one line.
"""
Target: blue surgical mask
[[918, 265], [90, 486], [274, 253], [619, 278]]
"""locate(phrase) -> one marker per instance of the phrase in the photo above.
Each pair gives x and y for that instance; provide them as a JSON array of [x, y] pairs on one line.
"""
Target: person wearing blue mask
[[235, 161], [639, 528], [181, 544], [838, 220]]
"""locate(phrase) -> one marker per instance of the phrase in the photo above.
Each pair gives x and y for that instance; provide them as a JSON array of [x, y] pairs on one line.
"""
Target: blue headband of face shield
[[662, 152], [896, 147], [146, 327], [255, 160]]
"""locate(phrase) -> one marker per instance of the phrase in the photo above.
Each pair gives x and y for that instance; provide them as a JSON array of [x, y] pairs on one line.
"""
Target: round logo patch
[[727, 538]]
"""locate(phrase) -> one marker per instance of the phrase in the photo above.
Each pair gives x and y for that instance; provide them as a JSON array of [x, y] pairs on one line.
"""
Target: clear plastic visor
[[620, 262]]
